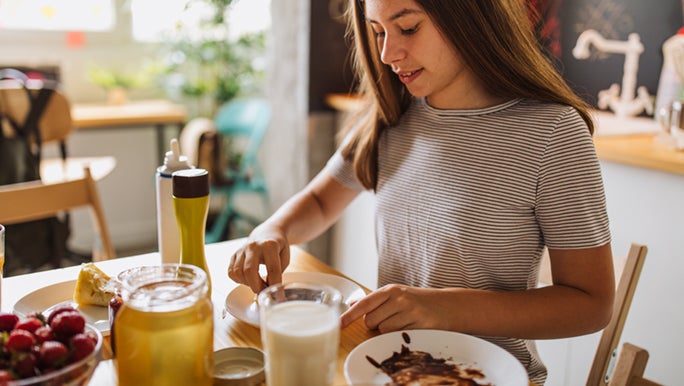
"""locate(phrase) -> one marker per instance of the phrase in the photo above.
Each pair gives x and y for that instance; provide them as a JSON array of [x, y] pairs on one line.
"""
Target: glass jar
[[164, 329]]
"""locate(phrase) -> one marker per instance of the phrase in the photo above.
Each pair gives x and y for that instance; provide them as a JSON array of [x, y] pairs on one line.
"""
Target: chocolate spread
[[407, 368]]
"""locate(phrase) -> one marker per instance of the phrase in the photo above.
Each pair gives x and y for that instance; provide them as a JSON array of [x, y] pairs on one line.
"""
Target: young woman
[[479, 156]]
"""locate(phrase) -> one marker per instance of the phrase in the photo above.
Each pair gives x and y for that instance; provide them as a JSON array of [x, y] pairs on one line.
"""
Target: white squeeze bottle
[[670, 82], [168, 236]]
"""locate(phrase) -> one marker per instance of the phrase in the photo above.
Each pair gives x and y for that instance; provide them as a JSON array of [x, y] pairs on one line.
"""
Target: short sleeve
[[571, 203], [343, 171]]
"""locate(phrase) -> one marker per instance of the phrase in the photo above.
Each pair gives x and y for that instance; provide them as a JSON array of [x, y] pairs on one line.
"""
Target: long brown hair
[[494, 38]]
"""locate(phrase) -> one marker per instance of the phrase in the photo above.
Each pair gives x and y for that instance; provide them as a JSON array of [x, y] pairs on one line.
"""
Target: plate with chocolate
[[432, 357]]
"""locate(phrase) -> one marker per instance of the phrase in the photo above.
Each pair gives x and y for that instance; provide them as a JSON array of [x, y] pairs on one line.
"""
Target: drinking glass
[[164, 331], [300, 331]]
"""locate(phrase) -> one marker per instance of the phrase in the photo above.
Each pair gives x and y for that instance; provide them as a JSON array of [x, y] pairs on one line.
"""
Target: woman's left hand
[[397, 307]]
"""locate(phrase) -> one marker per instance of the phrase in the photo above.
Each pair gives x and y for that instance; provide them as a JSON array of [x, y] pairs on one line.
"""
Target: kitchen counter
[[642, 150]]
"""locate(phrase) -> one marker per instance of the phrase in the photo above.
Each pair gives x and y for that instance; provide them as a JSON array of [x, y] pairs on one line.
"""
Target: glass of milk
[[300, 331]]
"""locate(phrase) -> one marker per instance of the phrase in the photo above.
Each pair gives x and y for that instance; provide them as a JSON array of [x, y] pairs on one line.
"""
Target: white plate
[[240, 301], [498, 365], [47, 298]]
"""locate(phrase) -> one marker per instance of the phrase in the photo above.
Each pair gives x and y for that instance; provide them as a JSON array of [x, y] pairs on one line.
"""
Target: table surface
[[54, 170], [146, 112], [156, 113], [228, 331]]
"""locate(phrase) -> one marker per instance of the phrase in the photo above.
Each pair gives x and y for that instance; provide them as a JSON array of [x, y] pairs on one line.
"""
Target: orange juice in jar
[[164, 330]]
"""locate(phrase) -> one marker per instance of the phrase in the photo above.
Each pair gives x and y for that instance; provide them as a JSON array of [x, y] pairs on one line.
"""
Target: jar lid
[[239, 366]]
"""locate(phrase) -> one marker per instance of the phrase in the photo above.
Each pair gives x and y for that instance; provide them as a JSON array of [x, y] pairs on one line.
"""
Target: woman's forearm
[[311, 211], [544, 313]]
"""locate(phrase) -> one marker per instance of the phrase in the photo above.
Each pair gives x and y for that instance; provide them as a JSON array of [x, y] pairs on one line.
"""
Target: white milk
[[301, 340]]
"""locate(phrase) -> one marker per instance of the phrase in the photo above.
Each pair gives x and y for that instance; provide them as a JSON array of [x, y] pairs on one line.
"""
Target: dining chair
[[27, 201], [35, 114], [627, 271], [242, 124], [18, 94], [630, 366]]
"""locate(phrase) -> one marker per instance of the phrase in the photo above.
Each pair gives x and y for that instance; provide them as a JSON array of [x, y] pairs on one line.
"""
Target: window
[[153, 23], [71, 15]]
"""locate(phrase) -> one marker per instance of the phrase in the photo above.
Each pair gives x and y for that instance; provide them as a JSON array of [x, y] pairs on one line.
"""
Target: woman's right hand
[[265, 246]]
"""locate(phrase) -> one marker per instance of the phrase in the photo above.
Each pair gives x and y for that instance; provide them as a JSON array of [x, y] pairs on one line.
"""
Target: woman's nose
[[392, 51]]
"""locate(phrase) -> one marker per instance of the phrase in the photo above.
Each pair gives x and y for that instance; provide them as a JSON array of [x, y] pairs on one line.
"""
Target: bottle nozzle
[[175, 148], [174, 159]]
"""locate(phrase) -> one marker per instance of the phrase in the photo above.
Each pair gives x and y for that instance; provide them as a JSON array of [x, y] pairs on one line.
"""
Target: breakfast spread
[[93, 287], [418, 368]]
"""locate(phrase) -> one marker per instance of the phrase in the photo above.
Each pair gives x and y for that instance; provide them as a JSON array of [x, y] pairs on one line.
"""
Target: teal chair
[[242, 123]]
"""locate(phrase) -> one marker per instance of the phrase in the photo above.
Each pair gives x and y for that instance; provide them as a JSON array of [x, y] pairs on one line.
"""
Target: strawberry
[[44, 334], [81, 346], [5, 376], [7, 321], [67, 324], [58, 310], [52, 354], [24, 364], [30, 324], [19, 340]]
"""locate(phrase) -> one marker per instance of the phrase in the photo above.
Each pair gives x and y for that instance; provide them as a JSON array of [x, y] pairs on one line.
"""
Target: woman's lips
[[409, 76]]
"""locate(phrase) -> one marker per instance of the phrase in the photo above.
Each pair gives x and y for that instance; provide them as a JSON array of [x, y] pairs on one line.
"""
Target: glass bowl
[[75, 374]]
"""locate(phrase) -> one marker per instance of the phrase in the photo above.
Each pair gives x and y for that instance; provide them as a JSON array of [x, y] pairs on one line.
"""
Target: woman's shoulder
[[545, 107], [547, 113]]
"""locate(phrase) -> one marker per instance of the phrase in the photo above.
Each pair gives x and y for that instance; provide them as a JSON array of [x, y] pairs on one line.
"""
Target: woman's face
[[410, 43]]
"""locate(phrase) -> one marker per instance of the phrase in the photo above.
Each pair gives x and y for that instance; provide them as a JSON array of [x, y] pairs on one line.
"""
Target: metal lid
[[239, 366]]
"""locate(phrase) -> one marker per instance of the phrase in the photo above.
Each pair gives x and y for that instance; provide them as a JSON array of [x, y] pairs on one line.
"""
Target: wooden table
[[228, 331], [56, 170], [156, 113]]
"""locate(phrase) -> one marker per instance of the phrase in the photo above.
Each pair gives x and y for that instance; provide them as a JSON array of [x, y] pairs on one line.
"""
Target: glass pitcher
[[164, 330]]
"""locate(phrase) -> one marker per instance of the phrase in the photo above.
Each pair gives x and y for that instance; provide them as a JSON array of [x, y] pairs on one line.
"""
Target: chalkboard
[[654, 21], [330, 69]]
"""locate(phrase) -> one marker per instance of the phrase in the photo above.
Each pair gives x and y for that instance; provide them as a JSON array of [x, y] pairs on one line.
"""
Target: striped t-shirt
[[469, 198]]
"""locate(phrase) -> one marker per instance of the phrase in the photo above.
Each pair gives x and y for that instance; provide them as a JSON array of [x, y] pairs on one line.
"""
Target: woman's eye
[[380, 34], [409, 31]]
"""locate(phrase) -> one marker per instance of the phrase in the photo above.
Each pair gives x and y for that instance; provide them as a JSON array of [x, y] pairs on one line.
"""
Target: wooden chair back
[[630, 366], [55, 123], [610, 337], [627, 271], [34, 200]]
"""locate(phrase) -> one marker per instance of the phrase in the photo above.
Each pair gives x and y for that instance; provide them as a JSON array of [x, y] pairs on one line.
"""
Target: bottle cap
[[190, 183]]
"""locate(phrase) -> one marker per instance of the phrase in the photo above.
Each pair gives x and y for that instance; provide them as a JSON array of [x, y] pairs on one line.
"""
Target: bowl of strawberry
[[57, 349]]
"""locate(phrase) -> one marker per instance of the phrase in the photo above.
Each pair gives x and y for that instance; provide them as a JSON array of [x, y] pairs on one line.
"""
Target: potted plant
[[116, 83], [208, 68]]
